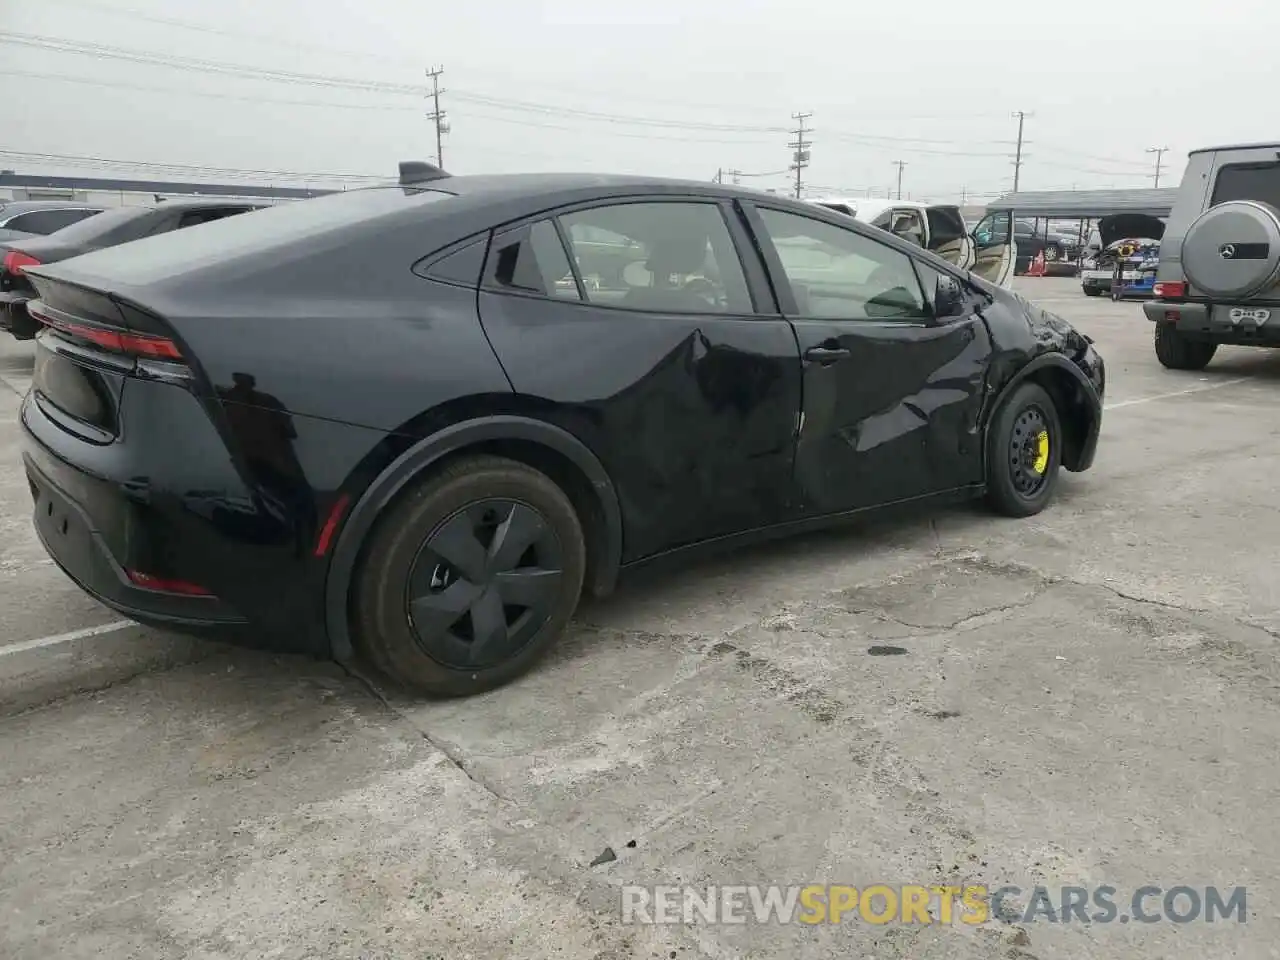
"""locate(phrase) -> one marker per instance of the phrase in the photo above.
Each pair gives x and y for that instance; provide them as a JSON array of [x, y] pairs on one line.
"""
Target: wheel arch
[[541, 445], [1074, 396]]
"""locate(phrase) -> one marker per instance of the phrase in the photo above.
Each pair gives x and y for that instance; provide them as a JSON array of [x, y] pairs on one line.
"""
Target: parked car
[[939, 228], [1218, 280], [407, 421], [1036, 238], [38, 218], [121, 225]]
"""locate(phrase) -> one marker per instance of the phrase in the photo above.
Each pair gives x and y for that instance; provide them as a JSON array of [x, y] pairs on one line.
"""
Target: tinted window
[[45, 222], [838, 208], [533, 261], [94, 227], [674, 257], [1248, 181], [839, 274], [993, 229]]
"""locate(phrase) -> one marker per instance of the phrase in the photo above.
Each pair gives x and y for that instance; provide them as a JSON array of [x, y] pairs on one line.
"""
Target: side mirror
[[948, 297]]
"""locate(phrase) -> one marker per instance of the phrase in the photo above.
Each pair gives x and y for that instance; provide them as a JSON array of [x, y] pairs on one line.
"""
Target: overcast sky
[[668, 87]]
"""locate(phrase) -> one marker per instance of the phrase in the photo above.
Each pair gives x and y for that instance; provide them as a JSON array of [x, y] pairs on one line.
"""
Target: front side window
[[992, 230], [839, 274], [658, 256]]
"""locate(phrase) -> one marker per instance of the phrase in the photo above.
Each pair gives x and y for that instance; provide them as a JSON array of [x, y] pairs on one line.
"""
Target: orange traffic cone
[[1037, 268]]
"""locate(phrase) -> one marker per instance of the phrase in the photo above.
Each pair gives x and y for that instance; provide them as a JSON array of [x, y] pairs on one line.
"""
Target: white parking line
[[1176, 393], [58, 638]]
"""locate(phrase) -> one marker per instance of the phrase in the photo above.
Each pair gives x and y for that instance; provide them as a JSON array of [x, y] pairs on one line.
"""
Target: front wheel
[[1024, 451], [470, 578], [1092, 292], [1176, 351], [1052, 253]]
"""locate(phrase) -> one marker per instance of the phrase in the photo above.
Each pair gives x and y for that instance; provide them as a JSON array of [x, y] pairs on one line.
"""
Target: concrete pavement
[[1087, 697]]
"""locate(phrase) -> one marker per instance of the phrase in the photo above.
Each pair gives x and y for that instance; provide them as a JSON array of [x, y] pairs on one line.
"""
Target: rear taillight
[[164, 585], [1169, 289], [15, 262], [109, 338]]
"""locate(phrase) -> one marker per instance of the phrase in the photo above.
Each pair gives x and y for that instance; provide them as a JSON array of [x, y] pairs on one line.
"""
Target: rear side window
[[194, 218], [1248, 181], [532, 260], [664, 257]]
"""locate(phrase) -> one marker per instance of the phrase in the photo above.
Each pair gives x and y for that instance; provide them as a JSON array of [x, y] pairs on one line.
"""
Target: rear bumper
[[76, 544], [1200, 321], [103, 509]]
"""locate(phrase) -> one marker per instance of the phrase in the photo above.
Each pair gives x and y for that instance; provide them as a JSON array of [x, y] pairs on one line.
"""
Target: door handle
[[825, 355]]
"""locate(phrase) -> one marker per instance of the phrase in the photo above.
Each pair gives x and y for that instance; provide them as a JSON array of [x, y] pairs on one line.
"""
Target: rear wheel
[[1176, 351], [471, 578], [1052, 253], [1024, 450], [1092, 292]]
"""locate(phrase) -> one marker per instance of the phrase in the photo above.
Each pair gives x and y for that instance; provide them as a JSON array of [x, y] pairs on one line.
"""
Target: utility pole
[[1017, 159], [800, 149], [1159, 152], [719, 174], [899, 164], [436, 114]]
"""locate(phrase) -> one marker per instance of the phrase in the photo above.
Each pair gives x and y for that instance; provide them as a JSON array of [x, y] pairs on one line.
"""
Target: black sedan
[[109, 229], [417, 422]]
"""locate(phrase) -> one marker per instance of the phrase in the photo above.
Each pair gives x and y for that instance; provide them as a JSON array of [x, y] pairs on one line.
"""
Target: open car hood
[[1122, 226]]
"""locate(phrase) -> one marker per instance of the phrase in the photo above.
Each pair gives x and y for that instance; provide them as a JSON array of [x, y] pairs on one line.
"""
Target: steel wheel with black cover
[[470, 577], [1024, 451]]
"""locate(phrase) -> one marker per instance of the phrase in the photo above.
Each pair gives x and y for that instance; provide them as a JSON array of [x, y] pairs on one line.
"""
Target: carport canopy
[[1087, 204]]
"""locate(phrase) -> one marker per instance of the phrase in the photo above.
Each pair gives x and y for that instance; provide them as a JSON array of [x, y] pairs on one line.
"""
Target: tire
[[1015, 487], [432, 647], [1052, 253], [1176, 352], [1092, 292]]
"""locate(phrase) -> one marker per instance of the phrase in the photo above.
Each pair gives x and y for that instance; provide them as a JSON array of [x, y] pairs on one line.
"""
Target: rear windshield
[[93, 227], [1248, 181], [155, 258]]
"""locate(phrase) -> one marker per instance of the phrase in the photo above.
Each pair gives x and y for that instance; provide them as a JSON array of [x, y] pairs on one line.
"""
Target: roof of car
[[31, 206], [199, 203], [1236, 146]]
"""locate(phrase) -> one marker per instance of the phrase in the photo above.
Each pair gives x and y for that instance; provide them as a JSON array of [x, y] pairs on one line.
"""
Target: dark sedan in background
[[104, 229], [39, 218]]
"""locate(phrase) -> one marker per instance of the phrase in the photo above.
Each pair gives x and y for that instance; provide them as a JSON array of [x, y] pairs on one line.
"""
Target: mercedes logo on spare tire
[[1232, 250]]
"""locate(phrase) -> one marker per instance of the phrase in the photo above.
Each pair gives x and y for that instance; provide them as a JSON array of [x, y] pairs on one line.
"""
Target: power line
[[104, 51], [131, 13], [203, 170], [800, 149]]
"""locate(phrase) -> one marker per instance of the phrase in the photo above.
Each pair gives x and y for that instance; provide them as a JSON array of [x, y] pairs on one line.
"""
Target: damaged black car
[[418, 422]]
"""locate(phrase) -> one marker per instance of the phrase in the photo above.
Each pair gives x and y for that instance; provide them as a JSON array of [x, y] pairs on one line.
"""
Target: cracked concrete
[[1086, 697]]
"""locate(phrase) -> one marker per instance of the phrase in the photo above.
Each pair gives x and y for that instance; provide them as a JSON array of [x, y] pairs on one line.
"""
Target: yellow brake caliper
[[1042, 452]]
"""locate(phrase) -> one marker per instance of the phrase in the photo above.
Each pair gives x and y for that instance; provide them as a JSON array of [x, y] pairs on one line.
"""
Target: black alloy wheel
[[469, 577], [483, 584]]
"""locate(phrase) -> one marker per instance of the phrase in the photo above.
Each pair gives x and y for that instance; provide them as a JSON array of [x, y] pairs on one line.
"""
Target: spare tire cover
[[1233, 249]]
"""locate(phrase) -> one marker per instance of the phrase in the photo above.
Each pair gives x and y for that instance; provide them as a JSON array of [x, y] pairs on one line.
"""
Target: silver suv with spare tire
[[1219, 275]]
